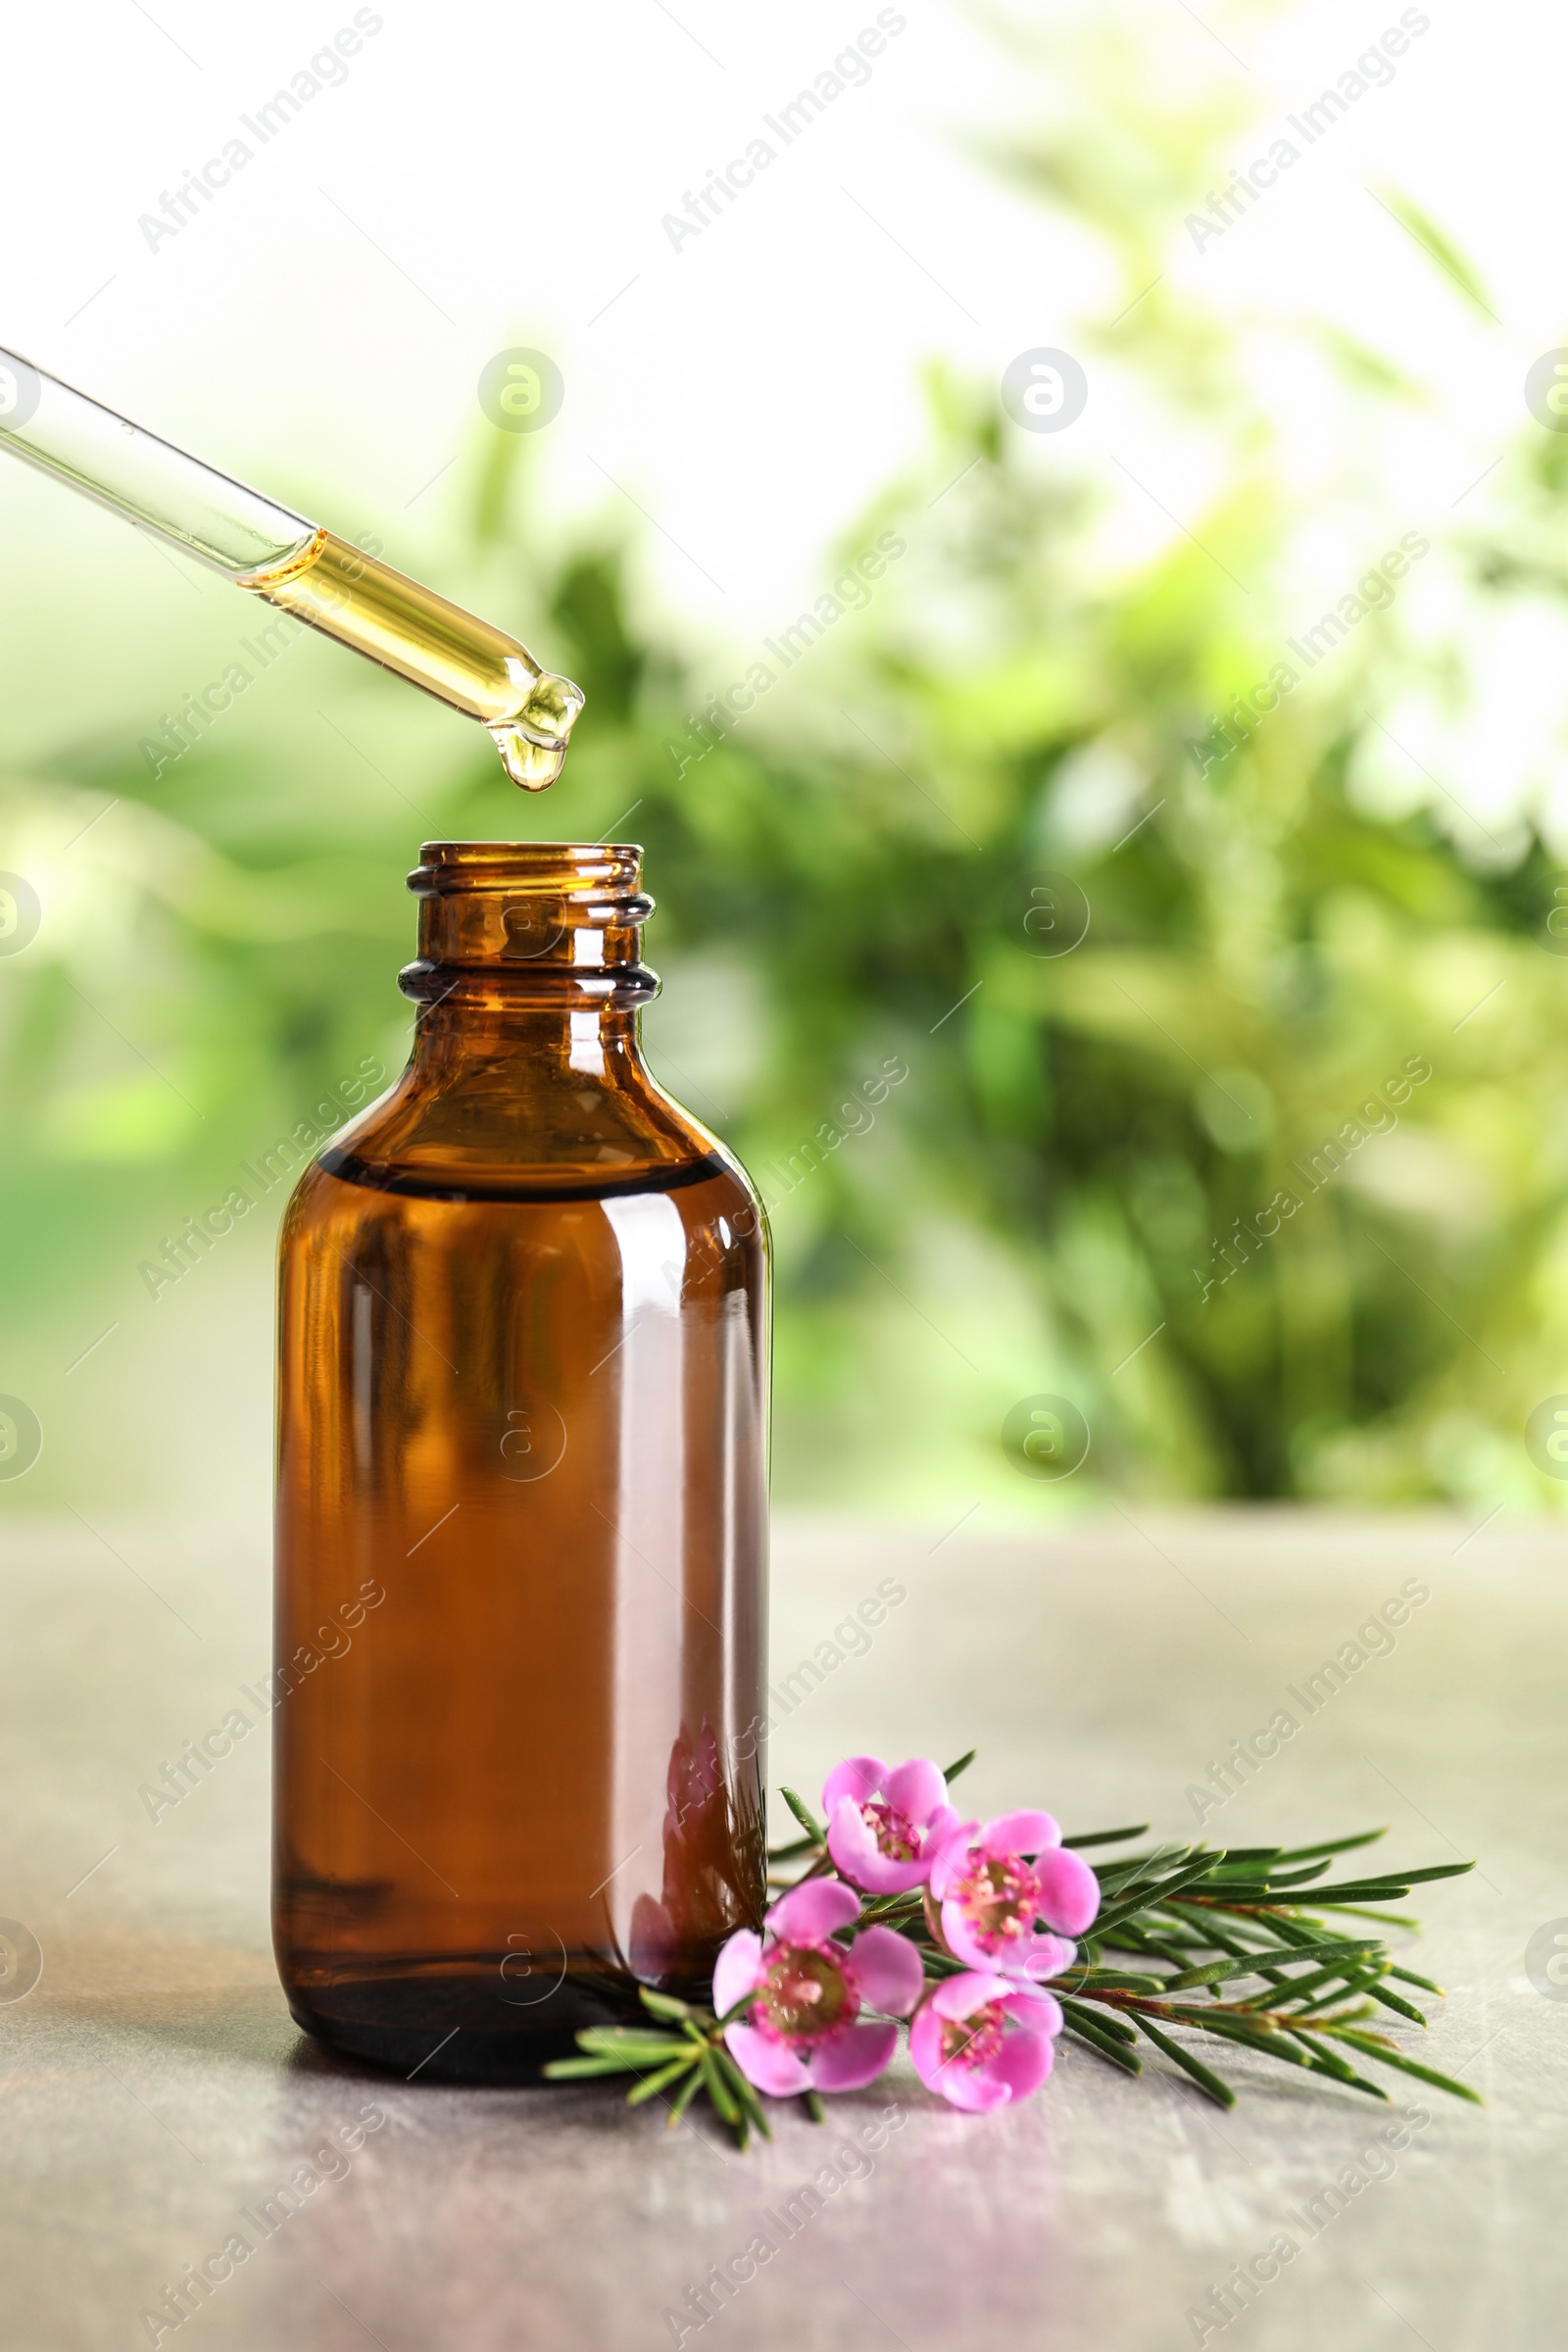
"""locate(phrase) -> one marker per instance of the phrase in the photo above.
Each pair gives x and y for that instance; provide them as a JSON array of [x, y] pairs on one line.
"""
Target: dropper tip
[[533, 743], [552, 710]]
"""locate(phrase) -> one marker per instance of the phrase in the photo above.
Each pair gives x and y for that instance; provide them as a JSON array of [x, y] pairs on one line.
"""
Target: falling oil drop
[[533, 766]]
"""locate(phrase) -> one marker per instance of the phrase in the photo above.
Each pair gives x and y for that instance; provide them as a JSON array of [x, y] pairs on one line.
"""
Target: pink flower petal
[[1069, 1891], [962, 1996], [925, 2038], [737, 1970], [1033, 2007], [888, 1970], [854, 1851], [852, 2059], [1034, 1956], [1044, 1956], [849, 1841], [883, 1877], [963, 1946], [1022, 2063], [939, 1829], [1019, 1834], [951, 1858], [857, 1777], [975, 2088], [809, 1914], [767, 2063], [916, 1789], [960, 2085]]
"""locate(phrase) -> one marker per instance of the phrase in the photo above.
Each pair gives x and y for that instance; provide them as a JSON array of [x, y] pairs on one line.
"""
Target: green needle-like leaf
[[1103, 2021], [1407, 1976], [1339, 1960], [1331, 1846], [1217, 1971], [804, 1815], [1321, 1992], [1384, 1918], [1332, 2062], [1255, 2037], [1384, 1889], [663, 2004], [1104, 2044], [1245, 1895], [1115, 1877], [1199, 1932], [629, 2043], [719, 2091], [892, 1909], [1139, 1829], [652, 2084], [1110, 1980], [1199, 2073], [684, 2096], [1149, 1898], [1305, 1935], [743, 2093], [962, 1765], [1298, 1878], [1396, 2002], [578, 2070], [1374, 2045]]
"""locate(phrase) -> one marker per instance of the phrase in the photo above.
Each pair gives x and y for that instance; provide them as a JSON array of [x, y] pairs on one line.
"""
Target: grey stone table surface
[[152, 2084]]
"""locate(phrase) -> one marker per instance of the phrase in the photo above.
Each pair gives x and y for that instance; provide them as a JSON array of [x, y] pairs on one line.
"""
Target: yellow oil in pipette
[[298, 565], [338, 589]]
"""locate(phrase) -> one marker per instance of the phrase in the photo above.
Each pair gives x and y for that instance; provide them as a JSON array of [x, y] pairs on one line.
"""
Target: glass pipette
[[298, 565]]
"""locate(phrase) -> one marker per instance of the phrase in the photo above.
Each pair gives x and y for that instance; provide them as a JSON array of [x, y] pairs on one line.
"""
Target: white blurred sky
[[504, 170]]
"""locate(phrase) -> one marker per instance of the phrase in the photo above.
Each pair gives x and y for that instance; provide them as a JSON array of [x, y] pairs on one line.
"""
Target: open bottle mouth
[[540, 918]]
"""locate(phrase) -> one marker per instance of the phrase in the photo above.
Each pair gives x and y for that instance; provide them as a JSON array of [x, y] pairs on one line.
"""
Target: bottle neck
[[592, 1038], [529, 949], [526, 1074]]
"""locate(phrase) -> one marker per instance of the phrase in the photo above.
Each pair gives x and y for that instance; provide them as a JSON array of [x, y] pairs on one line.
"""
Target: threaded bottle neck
[[531, 923]]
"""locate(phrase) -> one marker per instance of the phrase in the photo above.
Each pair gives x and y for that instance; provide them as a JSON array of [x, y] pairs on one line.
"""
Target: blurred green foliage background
[[854, 872]]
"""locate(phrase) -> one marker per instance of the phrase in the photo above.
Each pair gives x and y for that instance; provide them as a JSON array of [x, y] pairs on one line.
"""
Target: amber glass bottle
[[521, 1504]]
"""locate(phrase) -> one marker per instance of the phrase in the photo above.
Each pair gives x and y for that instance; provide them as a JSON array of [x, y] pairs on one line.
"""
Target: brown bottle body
[[521, 1518]]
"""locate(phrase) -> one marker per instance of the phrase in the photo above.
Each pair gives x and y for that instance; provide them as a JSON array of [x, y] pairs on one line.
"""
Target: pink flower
[[992, 1895], [984, 2040], [804, 1993], [884, 1826]]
